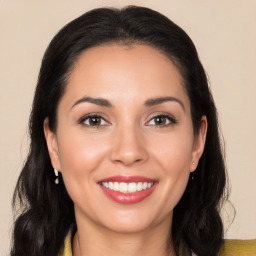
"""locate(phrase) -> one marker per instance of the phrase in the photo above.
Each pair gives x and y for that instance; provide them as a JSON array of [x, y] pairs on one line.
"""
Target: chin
[[133, 220]]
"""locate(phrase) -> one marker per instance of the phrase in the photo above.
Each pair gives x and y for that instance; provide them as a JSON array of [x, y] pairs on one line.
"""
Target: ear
[[52, 145], [199, 142]]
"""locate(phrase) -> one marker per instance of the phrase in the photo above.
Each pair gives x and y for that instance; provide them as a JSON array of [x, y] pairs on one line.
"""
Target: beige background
[[225, 35]]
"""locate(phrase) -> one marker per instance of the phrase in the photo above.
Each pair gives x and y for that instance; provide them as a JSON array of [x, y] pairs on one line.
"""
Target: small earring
[[56, 174], [192, 174]]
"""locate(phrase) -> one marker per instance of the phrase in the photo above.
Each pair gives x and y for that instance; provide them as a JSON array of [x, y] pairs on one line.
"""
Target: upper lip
[[127, 179]]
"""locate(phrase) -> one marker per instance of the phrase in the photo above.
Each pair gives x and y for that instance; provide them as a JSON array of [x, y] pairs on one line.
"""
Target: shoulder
[[233, 247]]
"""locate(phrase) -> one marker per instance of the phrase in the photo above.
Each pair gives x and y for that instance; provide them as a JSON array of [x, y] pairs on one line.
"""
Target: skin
[[129, 141]]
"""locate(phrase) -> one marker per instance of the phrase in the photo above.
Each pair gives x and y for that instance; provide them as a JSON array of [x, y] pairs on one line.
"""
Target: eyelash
[[171, 121], [90, 117]]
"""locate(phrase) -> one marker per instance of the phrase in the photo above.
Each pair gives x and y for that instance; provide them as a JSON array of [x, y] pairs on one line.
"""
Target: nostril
[[128, 149], [128, 159]]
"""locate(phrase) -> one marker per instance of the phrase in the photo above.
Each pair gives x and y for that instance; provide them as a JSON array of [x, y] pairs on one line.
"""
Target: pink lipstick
[[127, 189]]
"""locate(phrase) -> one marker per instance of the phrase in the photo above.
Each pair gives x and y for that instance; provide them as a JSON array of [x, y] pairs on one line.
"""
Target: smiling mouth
[[124, 187], [128, 189]]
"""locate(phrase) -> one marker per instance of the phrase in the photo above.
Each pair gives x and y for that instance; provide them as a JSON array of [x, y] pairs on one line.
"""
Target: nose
[[129, 147]]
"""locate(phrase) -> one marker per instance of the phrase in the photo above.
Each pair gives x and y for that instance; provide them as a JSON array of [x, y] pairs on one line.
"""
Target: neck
[[91, 240]]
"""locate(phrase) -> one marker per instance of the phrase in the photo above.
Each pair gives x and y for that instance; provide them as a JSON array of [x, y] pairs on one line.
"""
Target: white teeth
[[144, 185], [116, 186], [123, 187], [105, 184], [132, 187], [127, 187], [139, 186], [110, 185]]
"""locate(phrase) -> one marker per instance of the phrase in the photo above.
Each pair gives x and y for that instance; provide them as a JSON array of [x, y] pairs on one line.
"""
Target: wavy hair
[[46, 212]]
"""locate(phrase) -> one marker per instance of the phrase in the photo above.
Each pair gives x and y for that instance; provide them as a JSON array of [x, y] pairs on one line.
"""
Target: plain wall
[[225, 35]]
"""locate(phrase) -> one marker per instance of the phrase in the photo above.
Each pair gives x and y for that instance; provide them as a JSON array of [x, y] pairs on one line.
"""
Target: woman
[[125, 156]]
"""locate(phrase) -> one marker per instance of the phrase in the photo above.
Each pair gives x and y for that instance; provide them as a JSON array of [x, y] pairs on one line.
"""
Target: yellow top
[[234, 247], [231, 247], [67, 250]]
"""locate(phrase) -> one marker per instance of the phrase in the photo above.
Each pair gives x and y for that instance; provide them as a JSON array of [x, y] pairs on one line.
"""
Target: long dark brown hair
[[46, 212]]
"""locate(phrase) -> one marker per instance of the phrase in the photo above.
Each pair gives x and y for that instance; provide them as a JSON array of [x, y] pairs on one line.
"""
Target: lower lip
[[128, 198]]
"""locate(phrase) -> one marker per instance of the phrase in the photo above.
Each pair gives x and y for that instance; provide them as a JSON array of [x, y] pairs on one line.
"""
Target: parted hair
[[44, 210]]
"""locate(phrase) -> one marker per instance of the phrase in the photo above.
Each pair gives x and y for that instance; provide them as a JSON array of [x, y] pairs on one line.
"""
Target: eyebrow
[[97, 101], [156, 101], [148, 103]]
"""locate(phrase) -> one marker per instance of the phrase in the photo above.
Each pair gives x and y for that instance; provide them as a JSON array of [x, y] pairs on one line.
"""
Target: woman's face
[[124, 142]]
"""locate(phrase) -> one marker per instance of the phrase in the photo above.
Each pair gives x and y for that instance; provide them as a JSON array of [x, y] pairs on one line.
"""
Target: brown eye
[[161, 120], [94, 121]]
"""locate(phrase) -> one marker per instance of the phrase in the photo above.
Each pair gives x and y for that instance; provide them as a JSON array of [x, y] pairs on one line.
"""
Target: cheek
[[175, 159], [173, 151], [80, 155], [173, 155]]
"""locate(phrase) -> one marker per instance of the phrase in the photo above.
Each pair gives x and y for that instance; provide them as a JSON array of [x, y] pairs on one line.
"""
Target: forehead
[[135, 71]]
